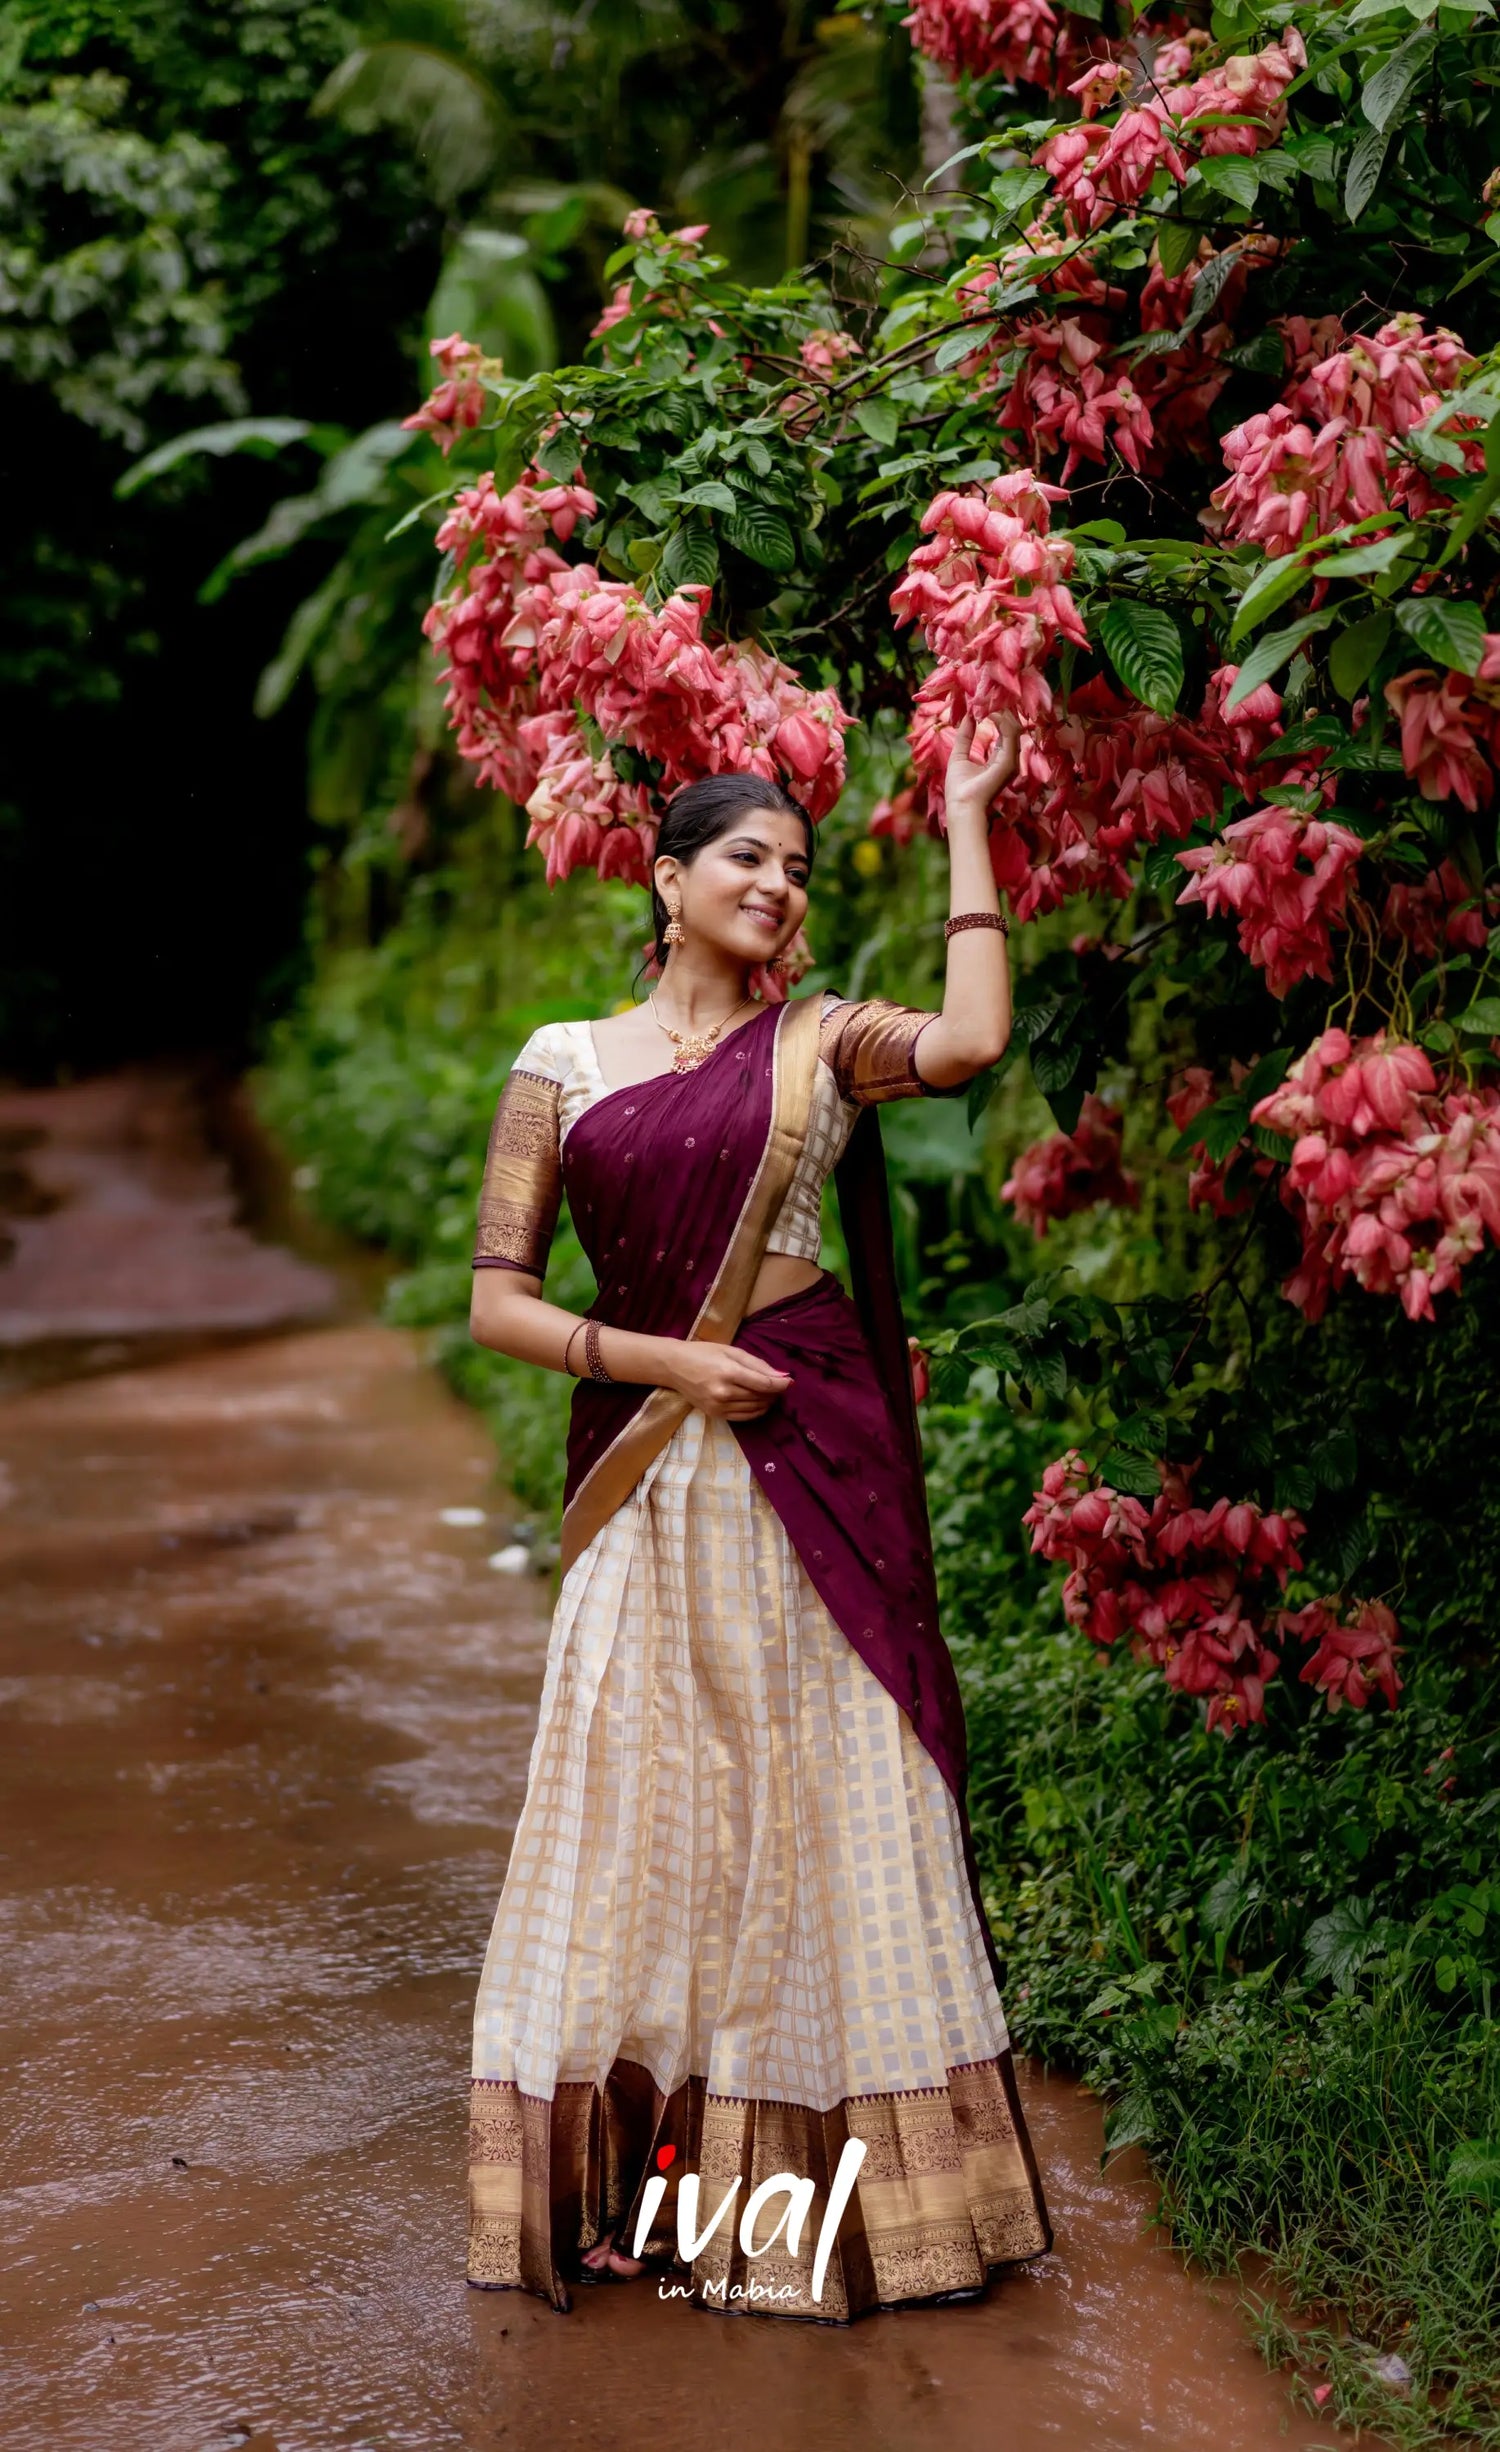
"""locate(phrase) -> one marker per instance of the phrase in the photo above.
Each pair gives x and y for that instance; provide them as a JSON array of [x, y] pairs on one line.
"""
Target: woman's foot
[[605, 2257]]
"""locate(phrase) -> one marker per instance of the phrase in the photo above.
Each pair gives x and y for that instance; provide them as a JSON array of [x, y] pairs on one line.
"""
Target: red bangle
[[977, 919], [568, 1349], [592, 1355]]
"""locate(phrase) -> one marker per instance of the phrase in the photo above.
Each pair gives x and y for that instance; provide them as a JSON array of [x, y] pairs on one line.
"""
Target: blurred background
[[231, 232]]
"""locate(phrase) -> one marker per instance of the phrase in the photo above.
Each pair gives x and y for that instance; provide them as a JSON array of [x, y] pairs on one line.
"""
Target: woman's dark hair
[[697, 816]]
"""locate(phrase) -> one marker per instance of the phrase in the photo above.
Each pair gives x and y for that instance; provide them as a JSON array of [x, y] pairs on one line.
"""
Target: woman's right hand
[[724, 1382]]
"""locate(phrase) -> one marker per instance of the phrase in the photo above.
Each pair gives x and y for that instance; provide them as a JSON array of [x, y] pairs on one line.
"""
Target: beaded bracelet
[[592, 1355], [977, 919]]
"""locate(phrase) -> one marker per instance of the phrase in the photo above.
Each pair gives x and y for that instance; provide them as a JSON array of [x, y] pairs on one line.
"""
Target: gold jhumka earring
[[675, 933]]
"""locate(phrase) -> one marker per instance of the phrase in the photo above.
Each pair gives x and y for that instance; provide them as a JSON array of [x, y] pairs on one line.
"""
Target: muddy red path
[[265, 1733]]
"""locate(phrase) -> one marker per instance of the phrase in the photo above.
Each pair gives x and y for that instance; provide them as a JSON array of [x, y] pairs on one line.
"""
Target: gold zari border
[[945, 2194]]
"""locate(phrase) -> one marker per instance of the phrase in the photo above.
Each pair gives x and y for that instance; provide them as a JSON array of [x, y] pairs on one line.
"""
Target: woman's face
[[745, 894]]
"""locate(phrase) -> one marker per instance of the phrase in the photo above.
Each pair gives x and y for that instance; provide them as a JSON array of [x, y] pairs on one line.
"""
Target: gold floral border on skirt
[[947, 2189]]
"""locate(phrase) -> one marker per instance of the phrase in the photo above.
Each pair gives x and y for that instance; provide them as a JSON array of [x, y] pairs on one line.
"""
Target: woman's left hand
[[968, 787]]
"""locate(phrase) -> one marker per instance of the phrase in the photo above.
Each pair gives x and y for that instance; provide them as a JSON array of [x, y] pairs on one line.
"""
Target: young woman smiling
[[740, 1923]]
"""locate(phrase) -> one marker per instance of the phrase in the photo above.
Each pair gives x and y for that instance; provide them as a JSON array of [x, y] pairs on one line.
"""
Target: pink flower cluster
[[1192, 1588], [1071, 1171], [643, 227], [1097, 170], [1286, 879], [550, 667], [1321, 456], [1394, 1178], [1071, 390], [1350, 1661], [1441, 914], [1025, 41], [825, 350], [1094, 783], [1065, 398], [1450, 728], [458, 401]]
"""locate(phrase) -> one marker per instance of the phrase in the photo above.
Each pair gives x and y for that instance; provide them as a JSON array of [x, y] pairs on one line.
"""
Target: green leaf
[[1054, 1063], [1447, 629], [1207, 285], [1364, 560], [561, 454], [1133, 2121], [1362, 177], [957, 345], [1356, 652], [1223, 1127], [710, 495], [1231, 175], [762, 534], [1385, 92], [1445, 1974], [264, 436], [1270, 587], [691, 559], [1334, 1458], [1269, 656], [1264, 355], [1339, 1943], [985, 1086], [1136, 1475], [880, 419], [1481, 1020], [1481, 502], [1177, 244], [303, 632], [1145, 647]]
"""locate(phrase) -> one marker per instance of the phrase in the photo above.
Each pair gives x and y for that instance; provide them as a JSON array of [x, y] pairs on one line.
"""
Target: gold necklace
[[690, 1048]]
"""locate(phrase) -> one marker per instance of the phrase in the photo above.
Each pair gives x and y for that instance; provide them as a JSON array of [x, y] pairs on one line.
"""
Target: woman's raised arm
[[973, 1028]]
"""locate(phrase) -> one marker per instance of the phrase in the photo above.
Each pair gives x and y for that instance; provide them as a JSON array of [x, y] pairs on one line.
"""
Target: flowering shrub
[[1154, 435], [1191, 1587], [1073, 1170], [538, 648], [1194, 1590], [1394, 1178]]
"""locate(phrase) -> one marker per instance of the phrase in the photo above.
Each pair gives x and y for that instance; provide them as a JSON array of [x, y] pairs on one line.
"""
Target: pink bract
[[1191, 1588]]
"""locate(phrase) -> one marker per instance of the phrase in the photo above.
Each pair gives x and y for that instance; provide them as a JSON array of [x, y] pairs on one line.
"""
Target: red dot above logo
[[665, 2157]]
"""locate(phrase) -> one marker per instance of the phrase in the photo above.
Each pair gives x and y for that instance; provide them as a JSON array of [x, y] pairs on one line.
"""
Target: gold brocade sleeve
[[522, 1177], [870, 1049]]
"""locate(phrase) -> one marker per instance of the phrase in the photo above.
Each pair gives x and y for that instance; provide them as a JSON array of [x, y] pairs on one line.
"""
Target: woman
[[740, 1924]]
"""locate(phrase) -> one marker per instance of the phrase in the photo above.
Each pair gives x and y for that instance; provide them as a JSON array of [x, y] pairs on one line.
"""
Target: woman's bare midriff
[[779, 1279]]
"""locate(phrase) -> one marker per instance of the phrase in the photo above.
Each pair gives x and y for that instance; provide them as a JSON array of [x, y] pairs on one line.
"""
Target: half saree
[[740, 1924]]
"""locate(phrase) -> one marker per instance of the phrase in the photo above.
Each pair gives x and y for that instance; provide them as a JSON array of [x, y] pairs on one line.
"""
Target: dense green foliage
[[182, 235]]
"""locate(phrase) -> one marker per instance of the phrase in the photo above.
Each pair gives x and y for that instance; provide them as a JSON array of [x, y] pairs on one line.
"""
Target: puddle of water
[[266, 1731]]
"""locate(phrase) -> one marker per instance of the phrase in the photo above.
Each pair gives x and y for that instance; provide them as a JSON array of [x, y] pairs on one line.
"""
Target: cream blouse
[[866, 1057]]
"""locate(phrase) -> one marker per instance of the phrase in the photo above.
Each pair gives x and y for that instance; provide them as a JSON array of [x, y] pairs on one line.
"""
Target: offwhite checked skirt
[[736, 1918]]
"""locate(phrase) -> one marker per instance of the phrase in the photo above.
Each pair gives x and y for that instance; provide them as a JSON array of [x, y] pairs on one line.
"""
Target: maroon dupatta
[[674, 1185]]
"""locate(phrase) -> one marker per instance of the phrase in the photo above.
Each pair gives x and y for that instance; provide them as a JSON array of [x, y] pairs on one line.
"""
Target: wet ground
[[265, 1728]]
